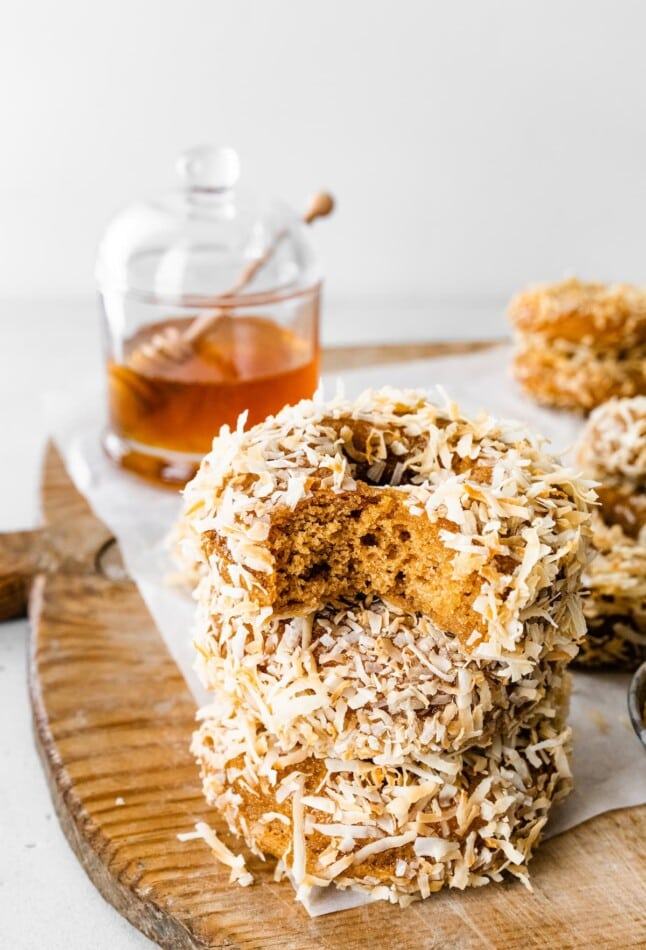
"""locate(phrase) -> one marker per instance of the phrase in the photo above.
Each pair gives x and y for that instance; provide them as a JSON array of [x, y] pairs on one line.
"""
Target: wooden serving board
[[113, 719]]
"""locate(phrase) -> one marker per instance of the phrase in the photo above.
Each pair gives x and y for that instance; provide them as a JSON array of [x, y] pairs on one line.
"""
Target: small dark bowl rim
[[637, 702]]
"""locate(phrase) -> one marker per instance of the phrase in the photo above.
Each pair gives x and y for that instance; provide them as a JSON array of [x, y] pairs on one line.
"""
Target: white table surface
[[46, 900]]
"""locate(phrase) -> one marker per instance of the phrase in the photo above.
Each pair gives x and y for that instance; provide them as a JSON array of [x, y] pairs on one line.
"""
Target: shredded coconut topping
[[612, 449], [615, 600], [359, 742], [457, 829], [613, 442], [372, 681]]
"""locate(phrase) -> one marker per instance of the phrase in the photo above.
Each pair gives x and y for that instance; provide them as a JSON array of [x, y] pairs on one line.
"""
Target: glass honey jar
[[210, 307]]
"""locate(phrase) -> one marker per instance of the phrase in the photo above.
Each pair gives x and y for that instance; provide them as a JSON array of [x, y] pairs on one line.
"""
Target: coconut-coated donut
[[467, 521], [398, 832], [579, 344], [370, 679], [612, 450], [614, 600]]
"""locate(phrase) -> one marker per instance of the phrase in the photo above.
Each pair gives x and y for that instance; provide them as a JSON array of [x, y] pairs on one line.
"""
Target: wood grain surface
[[69, 541], [113, 720]]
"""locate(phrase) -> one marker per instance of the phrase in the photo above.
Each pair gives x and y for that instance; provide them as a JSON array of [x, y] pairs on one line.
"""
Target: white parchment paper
[[609, 762]]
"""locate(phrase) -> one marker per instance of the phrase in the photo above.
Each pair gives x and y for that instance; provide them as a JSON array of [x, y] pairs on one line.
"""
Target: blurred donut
[[614, 601], [612, 450], [579, 344]]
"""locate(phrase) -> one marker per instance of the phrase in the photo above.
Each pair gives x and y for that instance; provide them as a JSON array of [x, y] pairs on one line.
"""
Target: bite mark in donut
[[335, 545]]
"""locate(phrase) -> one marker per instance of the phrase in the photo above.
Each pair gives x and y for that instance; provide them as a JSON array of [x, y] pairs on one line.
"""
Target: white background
[[473, 147]]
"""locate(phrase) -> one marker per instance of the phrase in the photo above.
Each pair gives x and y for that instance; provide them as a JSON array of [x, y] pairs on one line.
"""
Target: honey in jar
[[203, 257]]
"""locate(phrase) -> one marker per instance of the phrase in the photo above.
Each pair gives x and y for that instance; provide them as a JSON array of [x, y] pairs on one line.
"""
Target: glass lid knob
[[206, 168]]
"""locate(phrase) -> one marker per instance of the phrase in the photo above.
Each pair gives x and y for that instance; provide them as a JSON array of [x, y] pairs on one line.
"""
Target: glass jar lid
[[206, 240]]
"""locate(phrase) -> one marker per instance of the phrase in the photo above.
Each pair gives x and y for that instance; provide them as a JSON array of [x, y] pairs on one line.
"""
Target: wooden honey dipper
[[171, 345]]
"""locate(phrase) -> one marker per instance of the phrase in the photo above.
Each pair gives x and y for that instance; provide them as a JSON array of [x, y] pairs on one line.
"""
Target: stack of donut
[[612, 450], [387, 604], [579, 344]]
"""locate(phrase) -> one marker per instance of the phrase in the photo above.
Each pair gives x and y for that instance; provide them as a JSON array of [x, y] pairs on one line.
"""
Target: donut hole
[[376, 457]]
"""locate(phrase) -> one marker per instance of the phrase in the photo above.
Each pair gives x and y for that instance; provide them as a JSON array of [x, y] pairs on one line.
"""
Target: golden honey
[[165, 412]]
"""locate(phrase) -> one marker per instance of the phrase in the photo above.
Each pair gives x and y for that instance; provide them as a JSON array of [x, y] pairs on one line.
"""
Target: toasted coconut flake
[[236, 862]]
